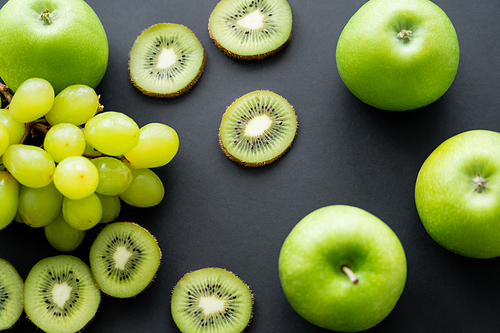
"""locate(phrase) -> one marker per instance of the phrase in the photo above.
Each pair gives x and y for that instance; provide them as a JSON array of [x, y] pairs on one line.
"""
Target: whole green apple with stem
[[457, 194], [398, 54], [342, 268], [61, 41]]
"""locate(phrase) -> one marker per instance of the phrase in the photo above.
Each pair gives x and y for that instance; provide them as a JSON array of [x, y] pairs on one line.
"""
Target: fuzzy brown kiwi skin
[[159, 263], [175, 93], [248, 57], [255, 164], [250, 290]]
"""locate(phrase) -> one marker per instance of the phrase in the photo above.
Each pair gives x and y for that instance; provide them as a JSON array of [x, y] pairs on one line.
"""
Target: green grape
[[76, 177], [18, 218], [111, 207], [9, 198], [15, 128], [82, 214], [32, 100], [89, 150], [146, 189], [158, 144], [62, 236], [31, 166], [76, 104], [114, 176], [39, 206], [112, 133], [64, 140], [4, 138]]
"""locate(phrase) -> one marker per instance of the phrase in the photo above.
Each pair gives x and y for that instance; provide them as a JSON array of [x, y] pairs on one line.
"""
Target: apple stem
[[350, 274], [5, 93], [45, 16], [405, 35]]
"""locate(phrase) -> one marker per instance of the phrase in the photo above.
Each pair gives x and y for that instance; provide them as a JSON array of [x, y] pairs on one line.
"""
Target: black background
[[217, 213]]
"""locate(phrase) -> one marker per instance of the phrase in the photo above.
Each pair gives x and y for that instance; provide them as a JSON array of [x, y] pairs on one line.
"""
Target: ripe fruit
[[166, 60], [33, 99], [60, 294], [456, 194], [398, 54], [61, 41], [124, 259], [343, 269], [257, 128], [213, 300]]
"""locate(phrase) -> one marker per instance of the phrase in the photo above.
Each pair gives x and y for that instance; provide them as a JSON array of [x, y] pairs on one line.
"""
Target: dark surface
[[217, 213]]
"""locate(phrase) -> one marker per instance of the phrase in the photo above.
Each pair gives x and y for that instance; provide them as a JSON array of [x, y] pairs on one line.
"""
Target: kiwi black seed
[[60, 294], [166, 60], [124, 259], [251, 29], [257, 128], [11, 295], [211, 300]]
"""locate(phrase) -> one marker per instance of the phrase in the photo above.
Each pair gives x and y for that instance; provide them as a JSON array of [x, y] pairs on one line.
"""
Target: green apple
[[342, 268], [61, 41], [457, 194], [398, 54]]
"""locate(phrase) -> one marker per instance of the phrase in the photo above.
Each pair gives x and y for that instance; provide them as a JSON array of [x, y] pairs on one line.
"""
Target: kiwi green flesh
[[166, 60], [257, 128], [124, 259], [11, 295], [251, 29], [60, 294], [211, 300]]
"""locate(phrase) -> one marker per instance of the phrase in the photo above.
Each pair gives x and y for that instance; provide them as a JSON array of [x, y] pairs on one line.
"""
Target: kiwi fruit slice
[[11, 295], [211, 300], [124, 259], [251, 29], [60, 294], [257, 128], [166, 60]]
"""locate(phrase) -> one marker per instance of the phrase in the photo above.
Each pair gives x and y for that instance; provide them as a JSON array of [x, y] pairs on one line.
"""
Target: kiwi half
[[124, 259], [211, 300], [251, 29], [257, 128], [11, 295], [60, 294], [166, 60]]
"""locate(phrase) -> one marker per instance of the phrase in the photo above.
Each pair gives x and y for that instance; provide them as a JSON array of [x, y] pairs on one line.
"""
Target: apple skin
[[312, 279], [389, 73], [457, 214], [73, 49]]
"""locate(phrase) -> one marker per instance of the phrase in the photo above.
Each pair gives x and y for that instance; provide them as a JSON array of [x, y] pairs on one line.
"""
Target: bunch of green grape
[[89, 162]]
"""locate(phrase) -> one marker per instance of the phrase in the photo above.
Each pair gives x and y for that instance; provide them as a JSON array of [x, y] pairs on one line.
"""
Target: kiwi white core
[[211, 305], [166, 59], [258, 125], [61, 293], [252, 21], [121, 257]]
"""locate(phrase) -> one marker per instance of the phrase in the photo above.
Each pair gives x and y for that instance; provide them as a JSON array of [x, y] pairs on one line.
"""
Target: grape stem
[[100, 107], [95, 155], [33, 127], [6, 94]]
